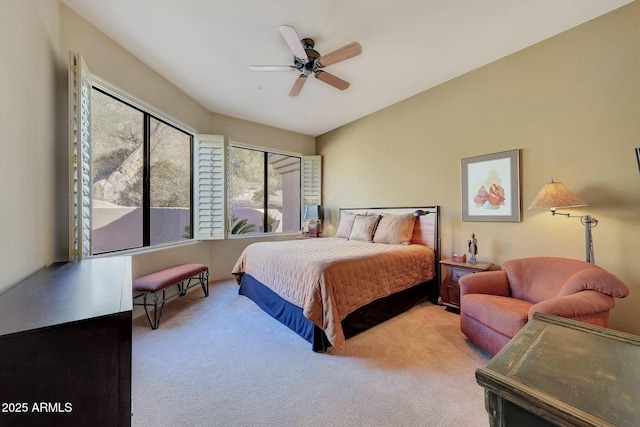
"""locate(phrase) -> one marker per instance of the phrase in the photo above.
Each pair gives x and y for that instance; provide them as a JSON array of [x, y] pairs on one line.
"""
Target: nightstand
[[449, 289]]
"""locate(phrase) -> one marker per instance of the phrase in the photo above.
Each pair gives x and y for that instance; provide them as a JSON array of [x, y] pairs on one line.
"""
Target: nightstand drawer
[[452, 293], [457, 273]]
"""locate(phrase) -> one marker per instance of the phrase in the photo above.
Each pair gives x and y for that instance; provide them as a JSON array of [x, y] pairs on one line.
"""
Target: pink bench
[[153, 283]]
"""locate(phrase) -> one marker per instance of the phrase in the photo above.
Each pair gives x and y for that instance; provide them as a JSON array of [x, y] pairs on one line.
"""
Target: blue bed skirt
[[360, 320]]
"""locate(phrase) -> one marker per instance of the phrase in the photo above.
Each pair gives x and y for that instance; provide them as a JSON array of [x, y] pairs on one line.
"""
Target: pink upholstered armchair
[[495, 305]]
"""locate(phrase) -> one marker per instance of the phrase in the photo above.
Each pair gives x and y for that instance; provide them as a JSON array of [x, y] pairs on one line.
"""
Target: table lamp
[[313, 214]]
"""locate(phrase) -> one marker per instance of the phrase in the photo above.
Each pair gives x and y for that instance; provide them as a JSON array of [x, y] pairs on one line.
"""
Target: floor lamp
[[556, 195]]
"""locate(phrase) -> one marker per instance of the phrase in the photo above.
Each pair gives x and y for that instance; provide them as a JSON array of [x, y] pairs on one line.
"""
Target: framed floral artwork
[[491, 187]]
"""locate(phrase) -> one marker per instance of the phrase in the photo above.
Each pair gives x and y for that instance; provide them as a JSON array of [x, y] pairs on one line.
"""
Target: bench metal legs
[[156, 315], [201, 279]]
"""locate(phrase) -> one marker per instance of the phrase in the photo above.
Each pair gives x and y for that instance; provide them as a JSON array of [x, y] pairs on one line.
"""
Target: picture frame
[[491, 187]]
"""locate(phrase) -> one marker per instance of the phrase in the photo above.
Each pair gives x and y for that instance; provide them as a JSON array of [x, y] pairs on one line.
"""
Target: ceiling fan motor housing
[[307, 43], [309, 66]]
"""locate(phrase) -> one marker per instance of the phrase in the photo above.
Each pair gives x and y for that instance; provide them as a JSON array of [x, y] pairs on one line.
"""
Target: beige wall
[[571, 104], [28, 129], [242, 131]]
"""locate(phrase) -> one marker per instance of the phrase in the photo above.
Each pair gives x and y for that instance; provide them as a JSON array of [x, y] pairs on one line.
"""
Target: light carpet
[[222, 361]]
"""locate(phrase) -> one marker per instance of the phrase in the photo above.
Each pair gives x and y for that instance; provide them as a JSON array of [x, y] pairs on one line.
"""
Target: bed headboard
[[426, 230]]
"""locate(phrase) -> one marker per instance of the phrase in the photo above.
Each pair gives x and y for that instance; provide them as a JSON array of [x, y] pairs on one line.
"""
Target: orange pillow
[[395, 229], [364, 226]]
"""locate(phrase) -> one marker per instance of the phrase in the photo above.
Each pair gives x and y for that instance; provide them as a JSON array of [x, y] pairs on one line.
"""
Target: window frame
[[310, 185], [147, 117], [80, 162], [265, 151]]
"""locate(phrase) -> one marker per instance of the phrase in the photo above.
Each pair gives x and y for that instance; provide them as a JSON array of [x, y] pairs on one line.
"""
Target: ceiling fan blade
[[291, 37], [345, 52], [332, 80], [272, 68], [297, 86]]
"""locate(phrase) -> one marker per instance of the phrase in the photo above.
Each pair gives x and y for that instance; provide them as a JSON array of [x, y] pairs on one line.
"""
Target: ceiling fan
[[308, 61]]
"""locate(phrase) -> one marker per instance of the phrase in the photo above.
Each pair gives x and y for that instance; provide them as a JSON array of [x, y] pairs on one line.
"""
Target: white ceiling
[[205, 47]]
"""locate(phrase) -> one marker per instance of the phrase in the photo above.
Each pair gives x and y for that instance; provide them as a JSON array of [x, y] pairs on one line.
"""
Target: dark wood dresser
[[557, 371], [65, 346]]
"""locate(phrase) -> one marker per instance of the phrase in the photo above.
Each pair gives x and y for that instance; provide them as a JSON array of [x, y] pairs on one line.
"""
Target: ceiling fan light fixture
[[308, 61]]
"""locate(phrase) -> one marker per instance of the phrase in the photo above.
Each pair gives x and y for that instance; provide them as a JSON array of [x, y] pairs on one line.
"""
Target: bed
[[380, 263]]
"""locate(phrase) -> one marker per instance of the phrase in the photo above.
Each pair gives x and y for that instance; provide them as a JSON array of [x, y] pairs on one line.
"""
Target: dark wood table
[[557, 371], [65, 346]]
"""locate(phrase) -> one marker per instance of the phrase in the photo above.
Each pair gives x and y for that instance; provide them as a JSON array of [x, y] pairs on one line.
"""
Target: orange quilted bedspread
[[331, 277]]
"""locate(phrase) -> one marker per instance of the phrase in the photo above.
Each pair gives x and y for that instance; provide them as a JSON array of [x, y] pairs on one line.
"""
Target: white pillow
[[345, 225]]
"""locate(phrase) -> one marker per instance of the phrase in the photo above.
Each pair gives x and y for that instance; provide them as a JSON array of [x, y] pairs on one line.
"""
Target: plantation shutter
[[209, 188], [311, 181], [80, 177]]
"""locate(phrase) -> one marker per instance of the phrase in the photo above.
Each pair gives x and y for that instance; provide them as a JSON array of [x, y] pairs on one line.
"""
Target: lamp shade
[[556, 195], [312, 212]]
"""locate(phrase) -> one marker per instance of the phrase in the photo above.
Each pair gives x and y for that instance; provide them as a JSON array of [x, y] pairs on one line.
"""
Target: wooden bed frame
[[426, 232]]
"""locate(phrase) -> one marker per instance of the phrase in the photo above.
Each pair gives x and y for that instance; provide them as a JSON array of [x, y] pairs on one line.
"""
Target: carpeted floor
[[221, 361]]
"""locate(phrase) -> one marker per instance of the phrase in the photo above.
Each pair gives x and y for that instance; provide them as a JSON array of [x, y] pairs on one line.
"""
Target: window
[[135, 170], [136, 180], [129, 210], [264, 191]]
